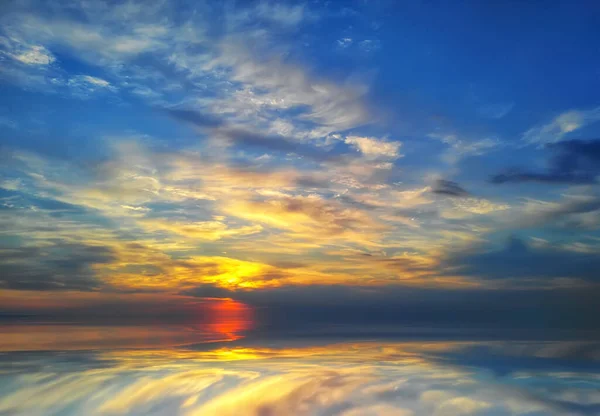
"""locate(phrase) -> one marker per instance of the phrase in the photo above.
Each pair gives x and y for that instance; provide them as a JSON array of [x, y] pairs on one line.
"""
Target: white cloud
[[282, 14], [28, 53], [369, 45], [466, 207], [460, 148], [460, 406], [99, 82], [270, 83], [561, 125], [344, 42], [94, 42], [245, 69], [134, 208], [496, 110], [36, 55], [374, 148], [84, 84]]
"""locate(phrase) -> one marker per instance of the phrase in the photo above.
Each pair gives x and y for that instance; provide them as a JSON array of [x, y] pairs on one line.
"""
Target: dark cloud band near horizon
[[318, 310]]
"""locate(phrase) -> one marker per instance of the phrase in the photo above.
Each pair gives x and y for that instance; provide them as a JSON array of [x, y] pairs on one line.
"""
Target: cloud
[[274, 175], [36, 55], [178, 204], [448, 188], [496, 110], [83, 86], [560, 126], [478, 206], [99, 82], [324, 310], [203, 230], [409, 378], [374, 148], [460, 148], [369, 45], [173, 264], [218, 128], [574, 162], [25, 53], [573, 211], [344, 42], [310, 217], [34, 66], [283, 15], [167, 51], [519, 260], [251, 139], [196, 118], [389, 310], [273, 84], [58, 265], [97, 36]]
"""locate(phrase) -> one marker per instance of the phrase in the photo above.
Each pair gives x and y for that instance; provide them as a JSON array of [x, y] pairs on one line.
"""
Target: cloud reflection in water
[[348, 379]]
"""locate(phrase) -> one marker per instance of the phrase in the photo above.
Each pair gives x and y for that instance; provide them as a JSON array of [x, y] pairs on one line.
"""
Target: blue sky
[[194, 148]]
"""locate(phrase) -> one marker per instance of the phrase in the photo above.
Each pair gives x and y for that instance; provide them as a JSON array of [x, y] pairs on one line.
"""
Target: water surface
[[306, 377]]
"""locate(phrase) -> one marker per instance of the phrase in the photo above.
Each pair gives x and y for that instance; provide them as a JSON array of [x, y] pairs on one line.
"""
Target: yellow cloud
[[204, 230], [310, 217], [373, 148]]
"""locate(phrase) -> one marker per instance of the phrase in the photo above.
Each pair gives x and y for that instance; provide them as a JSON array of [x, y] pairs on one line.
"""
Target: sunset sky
[[371, 163]]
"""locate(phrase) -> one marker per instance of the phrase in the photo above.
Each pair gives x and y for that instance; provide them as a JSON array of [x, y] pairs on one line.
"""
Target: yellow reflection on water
[[345, 379]]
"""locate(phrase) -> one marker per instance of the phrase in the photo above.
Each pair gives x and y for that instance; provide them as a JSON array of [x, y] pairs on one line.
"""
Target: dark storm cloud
[[519, 260], [61, 266], [448, 188], [574, 162]]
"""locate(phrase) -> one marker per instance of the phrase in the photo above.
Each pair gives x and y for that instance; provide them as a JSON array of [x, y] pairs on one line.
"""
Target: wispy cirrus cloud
[[559, 127], [460, 148], [265, 156]]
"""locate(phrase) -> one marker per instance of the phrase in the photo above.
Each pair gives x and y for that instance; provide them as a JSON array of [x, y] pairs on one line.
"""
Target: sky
[[360, 164]]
